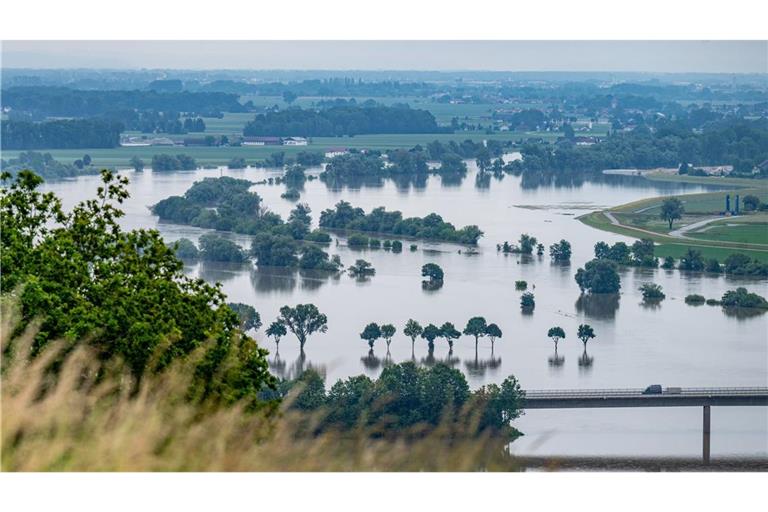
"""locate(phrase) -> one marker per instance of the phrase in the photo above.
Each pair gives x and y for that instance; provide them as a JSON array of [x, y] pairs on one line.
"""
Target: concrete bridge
[[669, 397]]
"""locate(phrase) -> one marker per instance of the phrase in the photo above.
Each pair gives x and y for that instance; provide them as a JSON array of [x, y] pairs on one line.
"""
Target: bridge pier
[[705, 438]]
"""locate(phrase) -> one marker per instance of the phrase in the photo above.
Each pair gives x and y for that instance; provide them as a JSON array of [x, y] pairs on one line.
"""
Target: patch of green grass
[[708, 180], [702, 204], [748, 233]]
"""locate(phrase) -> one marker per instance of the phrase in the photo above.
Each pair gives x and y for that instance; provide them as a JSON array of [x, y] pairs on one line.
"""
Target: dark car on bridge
[[653, 389]]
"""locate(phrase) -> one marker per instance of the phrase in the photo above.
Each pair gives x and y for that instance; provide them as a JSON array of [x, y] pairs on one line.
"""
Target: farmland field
[[205, 155]]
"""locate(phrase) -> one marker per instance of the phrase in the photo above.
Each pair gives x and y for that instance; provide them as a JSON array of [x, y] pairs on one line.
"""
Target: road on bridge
[[680, 397]]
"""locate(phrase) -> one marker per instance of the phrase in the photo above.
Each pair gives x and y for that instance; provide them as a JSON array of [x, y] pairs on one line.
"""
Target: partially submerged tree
[[476, 326], [652, 292], [556, 333], [413, 330], [585, 333], [303, 321], [371, 333], [276, 330], [449, 332], [493, 332], [527, 302], [599, 276], [387, 332], [433, 272], [430, 333], [560, 251], [361, 269]]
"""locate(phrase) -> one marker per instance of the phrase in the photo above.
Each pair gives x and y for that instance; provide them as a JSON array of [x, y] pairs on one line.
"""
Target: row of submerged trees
[[476, 327]]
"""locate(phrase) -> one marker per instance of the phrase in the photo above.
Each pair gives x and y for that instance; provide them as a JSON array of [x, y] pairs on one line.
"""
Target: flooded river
[[673, 344]]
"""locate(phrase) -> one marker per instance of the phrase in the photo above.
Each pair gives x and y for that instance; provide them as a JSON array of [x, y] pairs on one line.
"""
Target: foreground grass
[[89, 420]]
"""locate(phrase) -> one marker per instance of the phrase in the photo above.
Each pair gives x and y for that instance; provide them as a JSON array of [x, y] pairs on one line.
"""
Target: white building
[[333, 152], [294, 141]]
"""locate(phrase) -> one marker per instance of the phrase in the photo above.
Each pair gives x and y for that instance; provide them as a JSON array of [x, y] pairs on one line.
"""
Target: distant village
[[144, 140]]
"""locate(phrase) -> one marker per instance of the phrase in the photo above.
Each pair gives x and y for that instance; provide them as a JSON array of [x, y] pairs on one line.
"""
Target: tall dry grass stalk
[[97, 419]]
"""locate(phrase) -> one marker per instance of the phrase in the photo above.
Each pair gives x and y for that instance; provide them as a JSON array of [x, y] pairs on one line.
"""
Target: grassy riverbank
[[676, 247], [747, 233]]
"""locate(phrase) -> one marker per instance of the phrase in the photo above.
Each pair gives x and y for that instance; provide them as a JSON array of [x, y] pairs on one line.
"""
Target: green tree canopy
[[387, 331], [432, 271], [556, 333], [671, 210], [276, 330], [599, 276], [371, 333], [476, 327], [303, 320], [430, 333], [413, 330], [493, 331], [124, 293], [449, 332], [585, 333]]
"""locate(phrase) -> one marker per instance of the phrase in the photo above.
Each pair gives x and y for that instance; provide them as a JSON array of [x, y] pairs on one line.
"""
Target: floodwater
[[672, 344]]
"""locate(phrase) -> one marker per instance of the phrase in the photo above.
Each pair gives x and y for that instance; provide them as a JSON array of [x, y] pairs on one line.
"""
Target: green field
[[747, 233], [751, 229], [119, 157]]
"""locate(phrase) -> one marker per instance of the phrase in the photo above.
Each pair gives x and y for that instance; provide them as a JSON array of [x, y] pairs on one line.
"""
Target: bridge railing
[[618, 392]]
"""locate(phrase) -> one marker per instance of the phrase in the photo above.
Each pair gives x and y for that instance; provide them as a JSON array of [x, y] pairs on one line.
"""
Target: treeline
[[152, 121], [323, 87], [339, 121], [740, 143], [225, 204], [44, 165], [61, 134], [369, 164], [64, 102], [165, 162], [405, 396], [431, 227]]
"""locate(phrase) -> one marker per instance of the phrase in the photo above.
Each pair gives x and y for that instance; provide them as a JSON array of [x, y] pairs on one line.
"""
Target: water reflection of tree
[[353, 182], [280, 368], [284, 279], [563, 267], [585, 361], [743, 313], [651, 304], [271, 279], [453, 179], [431, 286], [431, 360], [598, 305], [478, 367], [556, 361], [221, 271], [370, 361], [483, 180], [314, 279], [404, 182]]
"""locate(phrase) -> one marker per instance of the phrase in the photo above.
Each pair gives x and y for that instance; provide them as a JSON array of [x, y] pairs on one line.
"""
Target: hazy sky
[[651, 56]]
